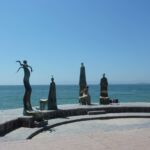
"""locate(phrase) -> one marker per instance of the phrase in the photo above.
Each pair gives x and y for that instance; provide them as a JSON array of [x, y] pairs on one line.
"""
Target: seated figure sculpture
[[85, 98], [104, 99]]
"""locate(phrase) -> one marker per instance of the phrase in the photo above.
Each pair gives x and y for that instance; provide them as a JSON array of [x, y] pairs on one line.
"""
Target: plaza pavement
[[111, 134]]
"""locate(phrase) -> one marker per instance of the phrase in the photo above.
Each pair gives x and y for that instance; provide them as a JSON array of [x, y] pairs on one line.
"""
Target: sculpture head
[[25, 62], [52, 79], [82, 64], [103, 75]]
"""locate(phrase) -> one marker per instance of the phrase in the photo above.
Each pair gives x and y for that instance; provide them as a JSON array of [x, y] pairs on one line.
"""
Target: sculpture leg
[[29, 107], [27, 95], [26, 101]]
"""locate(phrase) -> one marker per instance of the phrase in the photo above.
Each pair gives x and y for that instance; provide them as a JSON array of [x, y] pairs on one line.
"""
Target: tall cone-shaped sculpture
[[82, 79], [52, 103], [84, 97]]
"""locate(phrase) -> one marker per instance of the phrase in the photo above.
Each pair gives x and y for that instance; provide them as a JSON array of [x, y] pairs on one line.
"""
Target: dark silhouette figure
[[104, 87], [52, 104], [82, 80], [84, 97], [28, 89]]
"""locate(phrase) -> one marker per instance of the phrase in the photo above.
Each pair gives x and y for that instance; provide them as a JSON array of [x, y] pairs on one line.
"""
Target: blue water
[[11, 96]]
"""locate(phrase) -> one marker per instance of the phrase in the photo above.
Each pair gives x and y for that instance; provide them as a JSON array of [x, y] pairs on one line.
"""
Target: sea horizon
[[11, 96], [77, 84]]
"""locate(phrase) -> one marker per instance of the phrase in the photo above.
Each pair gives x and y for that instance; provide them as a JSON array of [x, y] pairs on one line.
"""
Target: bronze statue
[[104, 99], [84, 97], [52, 104], [104, 86], [28, 89], [82, 79]]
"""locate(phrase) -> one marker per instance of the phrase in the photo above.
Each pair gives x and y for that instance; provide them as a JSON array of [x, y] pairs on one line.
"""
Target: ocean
[[11, 96]]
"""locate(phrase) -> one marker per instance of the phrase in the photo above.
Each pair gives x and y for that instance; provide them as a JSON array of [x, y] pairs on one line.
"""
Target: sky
[[55, 36]]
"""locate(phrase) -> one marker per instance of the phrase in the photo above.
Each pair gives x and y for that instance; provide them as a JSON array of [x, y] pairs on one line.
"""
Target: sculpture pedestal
[[104, 100], [43, 104], [85, 100], [38, 118]]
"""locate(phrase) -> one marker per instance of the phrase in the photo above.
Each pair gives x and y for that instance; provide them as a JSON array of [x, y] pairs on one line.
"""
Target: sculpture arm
[[19, 68], [30, 68], [19, 62]]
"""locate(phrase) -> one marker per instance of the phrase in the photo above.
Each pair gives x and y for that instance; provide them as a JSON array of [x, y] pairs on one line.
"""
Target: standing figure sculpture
[[52, 104], [84, 97], [104, 90], [82, 80], [28, 89], [104, 86]]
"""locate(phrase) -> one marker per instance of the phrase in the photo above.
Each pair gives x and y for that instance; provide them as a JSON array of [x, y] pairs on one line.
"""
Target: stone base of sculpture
[[52, 107], [34, 113], [43, 104], [39, 120], [104, 100], [85, 100]]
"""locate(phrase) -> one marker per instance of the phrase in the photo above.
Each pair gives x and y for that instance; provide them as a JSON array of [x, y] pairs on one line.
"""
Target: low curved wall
[[82, 119], [84, 111], [9, 126], [28, 121]]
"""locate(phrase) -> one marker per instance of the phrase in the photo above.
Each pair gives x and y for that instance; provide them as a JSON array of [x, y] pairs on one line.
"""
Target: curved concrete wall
[[28, 121]]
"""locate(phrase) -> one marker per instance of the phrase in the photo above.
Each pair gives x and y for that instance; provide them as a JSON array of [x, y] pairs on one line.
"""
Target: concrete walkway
[[24, 133], [10, 114], [113, 134]]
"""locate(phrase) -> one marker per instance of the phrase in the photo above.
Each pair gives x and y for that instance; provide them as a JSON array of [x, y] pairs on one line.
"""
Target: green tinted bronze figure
[[82, 80], [84, 97], [52, 104], [104, 86], [104, 99], [28, 89]]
